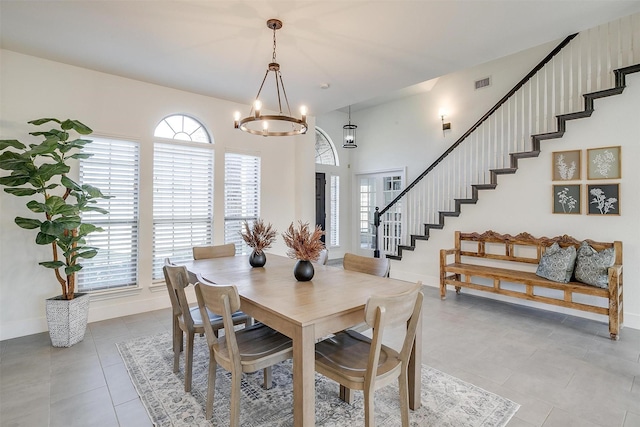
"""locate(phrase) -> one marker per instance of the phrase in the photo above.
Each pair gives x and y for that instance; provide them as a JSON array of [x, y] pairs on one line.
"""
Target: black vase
[[257, 259], [303, 271]]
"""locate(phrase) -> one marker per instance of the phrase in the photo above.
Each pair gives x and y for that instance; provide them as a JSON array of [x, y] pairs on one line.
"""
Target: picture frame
[[567, 199], [603, 199], [566, 165], [603, 163]]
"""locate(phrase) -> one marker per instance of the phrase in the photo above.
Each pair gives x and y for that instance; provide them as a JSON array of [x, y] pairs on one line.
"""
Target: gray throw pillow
[[557, 264], [592, 266]]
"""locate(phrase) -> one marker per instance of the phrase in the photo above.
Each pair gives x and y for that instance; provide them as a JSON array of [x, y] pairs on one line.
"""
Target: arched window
[[325, 150], [182, 190], [183, 128]]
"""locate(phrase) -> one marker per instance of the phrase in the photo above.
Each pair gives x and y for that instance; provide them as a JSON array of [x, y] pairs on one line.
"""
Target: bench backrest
[[511, 244]]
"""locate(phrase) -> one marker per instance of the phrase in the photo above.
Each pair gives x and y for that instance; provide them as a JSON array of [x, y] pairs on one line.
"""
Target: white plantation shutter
[[241, 195], [114, 169], [182, 202], [334, 239]]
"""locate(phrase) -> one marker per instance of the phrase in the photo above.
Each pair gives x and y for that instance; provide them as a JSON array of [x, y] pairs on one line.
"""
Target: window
[[325, 150], [367, 192], [241, 195], [334, 239], [183, 128], [182, 191], [113, 168], [379, 189]]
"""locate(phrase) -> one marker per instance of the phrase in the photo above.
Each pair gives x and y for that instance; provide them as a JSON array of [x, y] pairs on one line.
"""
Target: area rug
[[446, 400]]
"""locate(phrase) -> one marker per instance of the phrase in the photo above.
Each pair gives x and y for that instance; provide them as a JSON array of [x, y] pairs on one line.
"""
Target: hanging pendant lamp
[[349, 133], [276, 124]]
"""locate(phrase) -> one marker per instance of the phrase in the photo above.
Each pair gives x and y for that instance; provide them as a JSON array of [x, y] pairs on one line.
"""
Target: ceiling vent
[[483, 82]]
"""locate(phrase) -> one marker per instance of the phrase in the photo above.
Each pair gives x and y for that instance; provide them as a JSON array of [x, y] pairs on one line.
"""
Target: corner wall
[[521, 202], [123, 108]]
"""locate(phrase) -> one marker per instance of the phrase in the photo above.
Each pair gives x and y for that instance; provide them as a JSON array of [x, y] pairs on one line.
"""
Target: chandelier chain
[[274, 44]]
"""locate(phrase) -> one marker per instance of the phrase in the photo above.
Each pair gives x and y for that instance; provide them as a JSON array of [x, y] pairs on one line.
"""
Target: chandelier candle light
[[276, 124]]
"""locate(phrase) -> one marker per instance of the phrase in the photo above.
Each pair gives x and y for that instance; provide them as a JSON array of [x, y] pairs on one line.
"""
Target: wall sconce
[[445, 126]]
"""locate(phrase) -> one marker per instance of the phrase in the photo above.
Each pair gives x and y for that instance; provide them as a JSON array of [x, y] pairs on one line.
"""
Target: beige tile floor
[[562, 370]]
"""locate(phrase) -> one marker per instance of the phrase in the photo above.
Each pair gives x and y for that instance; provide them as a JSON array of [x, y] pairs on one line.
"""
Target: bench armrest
[[444, 253], [616, 270], [614, 273]]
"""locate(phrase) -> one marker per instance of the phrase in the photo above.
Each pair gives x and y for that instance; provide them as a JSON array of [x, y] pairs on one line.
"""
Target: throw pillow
[[592, 266], [557, 264]]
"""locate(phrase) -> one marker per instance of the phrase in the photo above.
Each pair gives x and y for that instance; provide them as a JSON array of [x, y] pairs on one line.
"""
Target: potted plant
[[259, 237], [305, 246], [39, 172]]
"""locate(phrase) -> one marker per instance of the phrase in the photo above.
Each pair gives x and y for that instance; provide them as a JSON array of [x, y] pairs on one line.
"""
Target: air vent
[[483, 83]]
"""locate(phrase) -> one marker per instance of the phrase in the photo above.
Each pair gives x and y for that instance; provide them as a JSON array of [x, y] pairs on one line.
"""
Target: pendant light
[[349, 133], [276, 124]]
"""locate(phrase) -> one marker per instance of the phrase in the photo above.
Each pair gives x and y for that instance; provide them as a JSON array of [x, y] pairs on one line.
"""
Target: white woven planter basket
[[67, 319]]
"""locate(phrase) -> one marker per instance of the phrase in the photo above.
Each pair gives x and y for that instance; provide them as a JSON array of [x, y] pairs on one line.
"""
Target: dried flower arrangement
[[258, 236], [303, 243]]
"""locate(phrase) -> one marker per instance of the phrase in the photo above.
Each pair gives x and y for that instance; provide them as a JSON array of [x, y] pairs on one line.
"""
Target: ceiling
[[362, 49]]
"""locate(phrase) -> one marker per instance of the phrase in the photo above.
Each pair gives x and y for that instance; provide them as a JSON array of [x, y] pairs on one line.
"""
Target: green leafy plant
[[41, 170]]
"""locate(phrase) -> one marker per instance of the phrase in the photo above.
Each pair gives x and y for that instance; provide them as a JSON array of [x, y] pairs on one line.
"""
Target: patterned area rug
[[446, 400]]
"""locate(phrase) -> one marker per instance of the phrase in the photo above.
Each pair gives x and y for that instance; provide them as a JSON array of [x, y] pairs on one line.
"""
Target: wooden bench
[[522, 249]]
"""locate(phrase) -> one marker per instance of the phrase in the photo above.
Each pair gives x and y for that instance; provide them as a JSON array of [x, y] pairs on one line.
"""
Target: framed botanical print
[[566, 199], [603, 163], [566, 165], [603, 199]]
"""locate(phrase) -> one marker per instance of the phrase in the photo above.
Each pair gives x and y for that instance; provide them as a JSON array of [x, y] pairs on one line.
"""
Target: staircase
[[562, 87]]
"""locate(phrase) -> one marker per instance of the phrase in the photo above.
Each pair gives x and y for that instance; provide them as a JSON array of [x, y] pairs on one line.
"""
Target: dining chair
[[359, 363], [368, 265], [323, 257], [188, 320], [363, 264], [246, 350], [215, 251]]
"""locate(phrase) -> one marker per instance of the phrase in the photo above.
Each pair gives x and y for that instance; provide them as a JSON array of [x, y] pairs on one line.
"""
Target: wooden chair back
[[384, 310], [223, 301], [177, 279], [216, 251], [373, 266]]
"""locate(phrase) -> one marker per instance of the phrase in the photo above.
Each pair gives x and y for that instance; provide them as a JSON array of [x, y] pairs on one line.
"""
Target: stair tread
[[604, 93]]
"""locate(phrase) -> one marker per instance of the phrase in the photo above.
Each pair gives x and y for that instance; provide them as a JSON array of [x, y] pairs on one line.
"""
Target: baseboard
[[98, 310]]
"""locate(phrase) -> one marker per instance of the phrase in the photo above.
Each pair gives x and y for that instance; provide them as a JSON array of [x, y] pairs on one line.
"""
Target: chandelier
[[277, 124], [349, 133]]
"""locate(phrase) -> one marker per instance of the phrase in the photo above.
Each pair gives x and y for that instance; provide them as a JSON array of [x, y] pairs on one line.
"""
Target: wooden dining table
[[305, 311]]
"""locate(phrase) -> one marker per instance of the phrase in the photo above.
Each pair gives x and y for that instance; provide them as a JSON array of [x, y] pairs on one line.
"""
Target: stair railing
[[580, 64]]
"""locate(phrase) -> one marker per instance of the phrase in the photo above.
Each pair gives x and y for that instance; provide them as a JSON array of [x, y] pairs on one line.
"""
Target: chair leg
[[177, 346], [403, 385], [268, 378], [346, 394], [211, 386], [188, 363], [369, 416], [234, 416]]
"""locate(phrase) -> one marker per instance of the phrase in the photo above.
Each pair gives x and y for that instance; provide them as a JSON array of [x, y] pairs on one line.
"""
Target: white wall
[[408, 133], [113, 106]]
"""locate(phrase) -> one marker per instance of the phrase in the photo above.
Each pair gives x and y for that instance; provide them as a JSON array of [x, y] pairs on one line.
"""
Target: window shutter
[[114, 169], [242, 196], [182, 202]]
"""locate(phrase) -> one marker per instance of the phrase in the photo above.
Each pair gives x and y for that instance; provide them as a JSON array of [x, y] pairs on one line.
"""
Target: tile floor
[[562, 370]]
